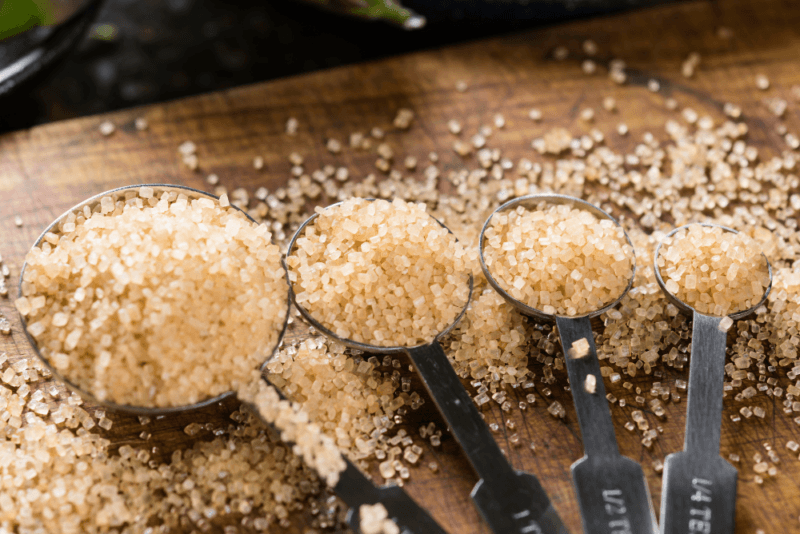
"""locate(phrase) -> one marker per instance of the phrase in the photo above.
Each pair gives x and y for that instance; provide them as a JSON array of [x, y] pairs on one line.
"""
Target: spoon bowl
[[686, 308], [120, 193], [357, 345]]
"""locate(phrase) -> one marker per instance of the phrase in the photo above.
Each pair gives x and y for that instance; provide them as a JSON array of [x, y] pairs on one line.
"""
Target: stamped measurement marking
[[618, 522], [700, 516], [531, 527]]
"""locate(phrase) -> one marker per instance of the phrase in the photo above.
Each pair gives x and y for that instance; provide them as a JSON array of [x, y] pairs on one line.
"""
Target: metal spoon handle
[[594, 416], [699, 489], [612, 492], [706, 377], [355, 490], [509, 501]]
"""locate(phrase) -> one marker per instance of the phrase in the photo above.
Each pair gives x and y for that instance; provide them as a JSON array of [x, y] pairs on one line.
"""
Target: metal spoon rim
[[685, 308], [365, 347], [129, 408], [554, 199]]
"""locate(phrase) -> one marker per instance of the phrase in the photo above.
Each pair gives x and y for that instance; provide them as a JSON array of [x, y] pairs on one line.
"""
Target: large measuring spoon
[[353, 487], [699, 489], [612, 493], [509, 501]]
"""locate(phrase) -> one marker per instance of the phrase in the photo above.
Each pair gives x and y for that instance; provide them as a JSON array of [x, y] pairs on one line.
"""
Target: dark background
[[142, 51]]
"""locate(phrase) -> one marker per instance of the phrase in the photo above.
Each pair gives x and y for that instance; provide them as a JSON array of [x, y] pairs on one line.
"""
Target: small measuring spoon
[[353, 487], [699, 489], [509, 501], [612, 493]]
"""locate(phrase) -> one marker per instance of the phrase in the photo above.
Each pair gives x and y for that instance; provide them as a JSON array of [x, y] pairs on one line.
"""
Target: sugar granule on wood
[[67, 479], [107, 128], [292, 124], [384, 273], [558, 259], [715, 271], [155, 301]]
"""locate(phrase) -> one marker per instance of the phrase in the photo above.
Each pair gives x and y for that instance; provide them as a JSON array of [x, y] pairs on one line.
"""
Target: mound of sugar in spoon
[[379, 272], [715, 271], [155, 301], [558, 259]]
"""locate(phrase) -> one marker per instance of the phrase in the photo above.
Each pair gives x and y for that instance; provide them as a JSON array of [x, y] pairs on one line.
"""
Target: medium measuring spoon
[[353, 487], [612, 492], [699, 489], [509, 501]]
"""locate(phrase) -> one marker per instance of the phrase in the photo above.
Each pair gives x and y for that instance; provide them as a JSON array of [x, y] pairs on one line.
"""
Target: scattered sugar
[[146, 325], [317, 449]]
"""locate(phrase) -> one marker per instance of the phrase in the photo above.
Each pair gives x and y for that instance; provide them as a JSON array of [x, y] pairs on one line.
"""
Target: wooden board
[[45, 170]]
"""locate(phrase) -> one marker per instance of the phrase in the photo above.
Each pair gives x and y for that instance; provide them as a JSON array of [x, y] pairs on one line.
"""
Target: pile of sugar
[[492, 343], [360, 403], [558, 259], [645, 330], [318, 450], [62, 476], [155, 300], [378, 272], [714, 271]]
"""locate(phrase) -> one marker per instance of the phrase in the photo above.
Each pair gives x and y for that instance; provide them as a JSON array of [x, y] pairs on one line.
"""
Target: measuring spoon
[[509, 501], [612, 493], [353, 487], [699, 488]]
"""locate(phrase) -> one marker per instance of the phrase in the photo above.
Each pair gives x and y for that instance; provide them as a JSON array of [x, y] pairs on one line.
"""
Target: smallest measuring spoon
[[717, 276]]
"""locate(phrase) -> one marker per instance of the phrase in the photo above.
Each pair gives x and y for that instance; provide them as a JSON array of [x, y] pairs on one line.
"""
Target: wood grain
[[45, 170]]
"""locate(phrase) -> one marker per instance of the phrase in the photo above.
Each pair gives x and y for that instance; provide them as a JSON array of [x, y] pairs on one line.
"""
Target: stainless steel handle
[[509, 501], [594, 416]]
